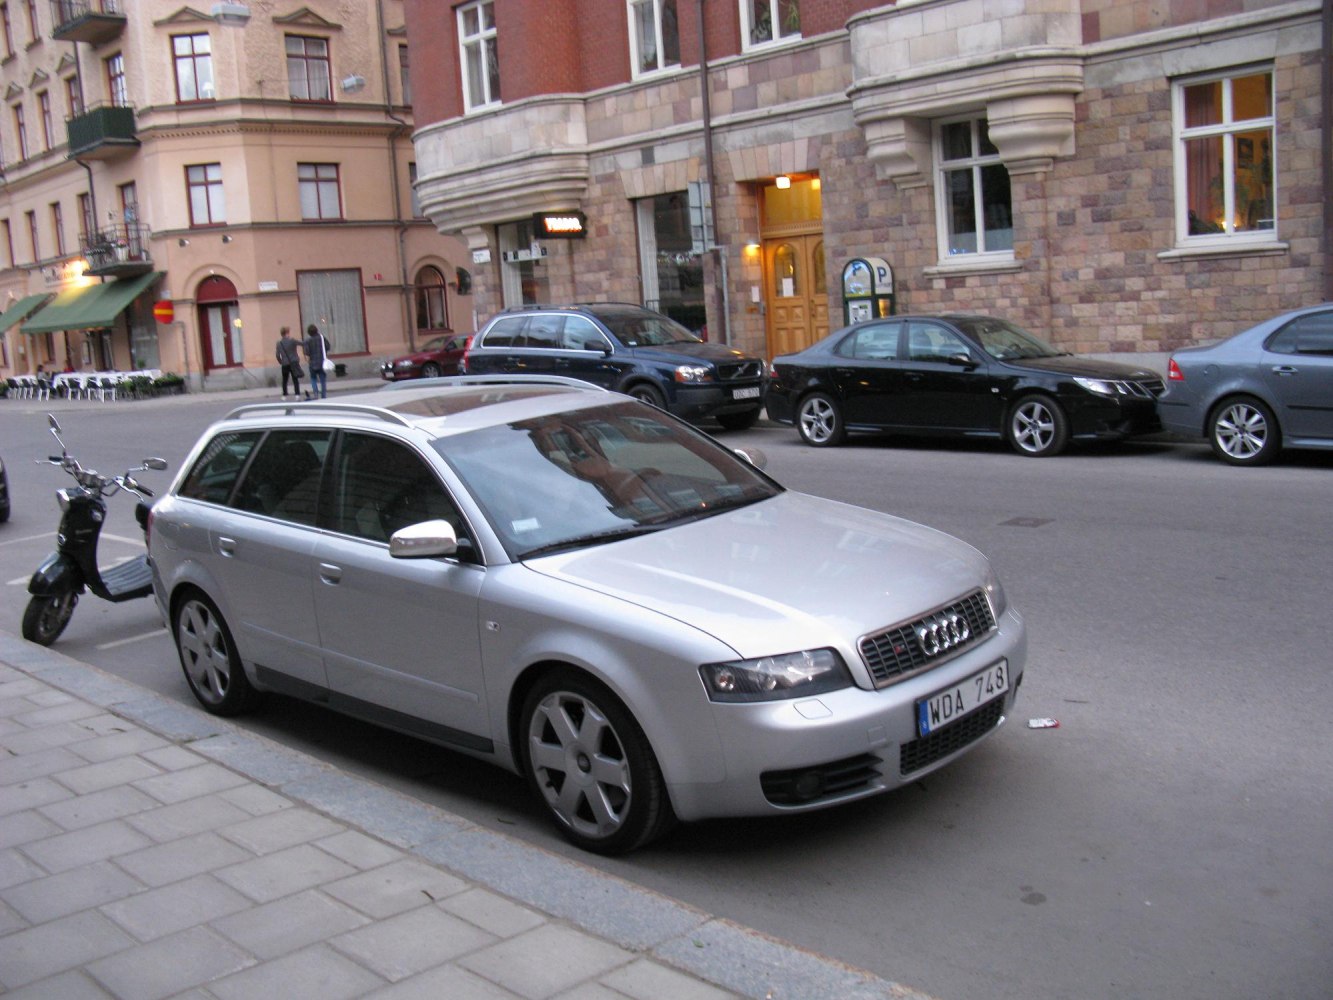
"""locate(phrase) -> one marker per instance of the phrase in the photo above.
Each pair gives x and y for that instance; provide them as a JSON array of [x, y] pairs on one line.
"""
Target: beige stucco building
[[248, 163]]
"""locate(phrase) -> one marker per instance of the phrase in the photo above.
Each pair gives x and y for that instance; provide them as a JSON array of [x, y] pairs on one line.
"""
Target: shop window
[[670, 270], [335, 302]]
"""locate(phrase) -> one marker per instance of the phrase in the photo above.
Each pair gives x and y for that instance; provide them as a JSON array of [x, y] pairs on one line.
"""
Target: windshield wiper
[[592, 538]]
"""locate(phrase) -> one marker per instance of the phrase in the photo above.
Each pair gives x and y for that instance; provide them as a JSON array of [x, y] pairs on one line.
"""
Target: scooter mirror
[[155, 463], [55, 424]]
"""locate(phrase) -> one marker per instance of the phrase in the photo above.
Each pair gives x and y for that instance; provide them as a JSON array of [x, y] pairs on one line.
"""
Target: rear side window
[[214, 474], [283, 478], [506, 332], [544, 331], [1308, 334]]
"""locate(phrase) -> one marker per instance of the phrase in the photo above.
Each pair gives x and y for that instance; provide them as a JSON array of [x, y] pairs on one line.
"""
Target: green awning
[[92, 308], [21, 309]]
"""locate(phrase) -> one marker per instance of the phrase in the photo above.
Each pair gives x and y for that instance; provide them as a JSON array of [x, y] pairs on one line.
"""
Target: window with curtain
[[193, 55], [654, 35], [1224, 158], [769, 21], [309, 77], [335, 303], [432, 302], [208, 204], [320, 198], [480, 57]]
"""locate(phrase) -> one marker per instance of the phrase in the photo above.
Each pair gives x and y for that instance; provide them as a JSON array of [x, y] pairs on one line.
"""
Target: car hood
[[687, 350], [793, 572], [1069, 364]]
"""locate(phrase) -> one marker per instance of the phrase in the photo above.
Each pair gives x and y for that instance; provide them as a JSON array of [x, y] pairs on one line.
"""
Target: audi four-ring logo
[[942, 632]]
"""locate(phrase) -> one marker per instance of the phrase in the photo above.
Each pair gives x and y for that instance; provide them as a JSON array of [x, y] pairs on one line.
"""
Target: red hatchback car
[[437, 356]]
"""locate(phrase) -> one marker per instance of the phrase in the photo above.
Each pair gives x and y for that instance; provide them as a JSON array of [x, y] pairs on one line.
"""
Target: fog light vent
[[803, 785]]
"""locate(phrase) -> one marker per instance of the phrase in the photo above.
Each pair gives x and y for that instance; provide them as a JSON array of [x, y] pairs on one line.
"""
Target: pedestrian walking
[[316, 347], [289, 357]]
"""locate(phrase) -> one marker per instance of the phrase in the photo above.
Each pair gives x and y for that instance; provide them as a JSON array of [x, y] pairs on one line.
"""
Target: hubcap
[[204, 651], [580, 764], [818, 420], [1034, 427], [1241, 431]]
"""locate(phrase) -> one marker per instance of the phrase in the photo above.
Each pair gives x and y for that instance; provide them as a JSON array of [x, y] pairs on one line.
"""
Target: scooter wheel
[[47, 616]]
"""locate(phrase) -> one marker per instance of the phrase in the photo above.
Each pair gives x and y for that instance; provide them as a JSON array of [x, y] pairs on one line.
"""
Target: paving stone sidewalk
[[149, 850]]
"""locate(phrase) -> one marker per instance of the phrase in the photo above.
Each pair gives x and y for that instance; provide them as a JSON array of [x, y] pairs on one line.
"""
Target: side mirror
[[423, 540], [157, 464], [754, 456], [962, 360]]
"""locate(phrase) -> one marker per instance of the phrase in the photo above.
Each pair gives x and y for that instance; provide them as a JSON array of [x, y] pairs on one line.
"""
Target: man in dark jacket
[[289, 358], [316, 348]]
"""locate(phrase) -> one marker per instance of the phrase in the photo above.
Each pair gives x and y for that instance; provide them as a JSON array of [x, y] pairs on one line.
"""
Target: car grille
[[900, 651], [949, 739], [1149, 388], [740, 370], [820, 781]]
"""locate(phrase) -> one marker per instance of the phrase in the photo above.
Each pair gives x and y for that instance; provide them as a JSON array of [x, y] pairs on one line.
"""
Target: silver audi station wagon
[[583, 589]]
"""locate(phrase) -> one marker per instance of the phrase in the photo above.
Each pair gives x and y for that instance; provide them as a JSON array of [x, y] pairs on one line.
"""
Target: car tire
[[738, 421], [1037, 427], [591, 766], [645, 392], [1243, 431], [208, 657], [46, 617], [430, 370], [819, 421]]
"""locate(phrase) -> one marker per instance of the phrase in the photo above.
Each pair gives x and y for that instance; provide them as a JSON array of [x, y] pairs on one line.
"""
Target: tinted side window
[[928, 342], [283, 479], [505, 332], [544, 331], [582, 335], [871, 343], [383, 485], [1309, 334], [214, 474]]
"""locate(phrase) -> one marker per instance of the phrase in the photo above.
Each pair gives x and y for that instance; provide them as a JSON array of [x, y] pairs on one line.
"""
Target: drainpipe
[[719, 253], [400, 228]]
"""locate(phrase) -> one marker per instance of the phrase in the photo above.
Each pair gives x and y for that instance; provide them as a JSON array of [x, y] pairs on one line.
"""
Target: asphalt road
[[1169, 839]]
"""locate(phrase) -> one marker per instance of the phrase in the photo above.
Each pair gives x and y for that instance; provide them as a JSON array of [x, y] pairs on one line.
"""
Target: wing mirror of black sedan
[[962, 360]]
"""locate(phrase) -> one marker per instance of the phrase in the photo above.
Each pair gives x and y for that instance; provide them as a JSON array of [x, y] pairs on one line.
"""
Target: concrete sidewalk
[[149, 850]]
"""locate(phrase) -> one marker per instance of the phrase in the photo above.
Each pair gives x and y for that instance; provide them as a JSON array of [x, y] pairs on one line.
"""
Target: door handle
[[1285, 370], [330, 574], [226, 546]]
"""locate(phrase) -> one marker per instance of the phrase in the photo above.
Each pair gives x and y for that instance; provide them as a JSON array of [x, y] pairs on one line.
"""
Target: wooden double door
[[795, 292]]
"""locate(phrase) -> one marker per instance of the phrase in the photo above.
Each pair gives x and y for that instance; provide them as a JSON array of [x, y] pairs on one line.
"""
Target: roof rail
[[463, 380], [320, 406]]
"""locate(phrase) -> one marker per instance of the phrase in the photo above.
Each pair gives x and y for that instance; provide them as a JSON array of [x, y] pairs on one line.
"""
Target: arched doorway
[[219, 334], [432, 302]]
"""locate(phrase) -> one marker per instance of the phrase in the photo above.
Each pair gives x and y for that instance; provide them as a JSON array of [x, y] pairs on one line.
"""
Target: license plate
[[752, 393], [957, 700]]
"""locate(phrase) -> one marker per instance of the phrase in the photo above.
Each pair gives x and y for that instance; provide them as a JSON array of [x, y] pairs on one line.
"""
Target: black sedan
[[959, 375]]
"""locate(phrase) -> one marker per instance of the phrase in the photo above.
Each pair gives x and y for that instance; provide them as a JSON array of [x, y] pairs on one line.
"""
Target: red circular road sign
[[163, 311]]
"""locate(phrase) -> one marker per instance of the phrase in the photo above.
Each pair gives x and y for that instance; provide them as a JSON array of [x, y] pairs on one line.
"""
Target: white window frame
[[1227, 129], [976, 162], [637, 69], [483, 41], [774, 19]]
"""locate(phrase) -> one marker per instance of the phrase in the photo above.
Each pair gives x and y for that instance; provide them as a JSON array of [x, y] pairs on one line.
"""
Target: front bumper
[[813, 753], [695, 401]]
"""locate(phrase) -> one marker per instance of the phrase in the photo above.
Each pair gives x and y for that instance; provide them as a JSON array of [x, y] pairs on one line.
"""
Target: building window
[[89, 227], [44, 110], [972, 192], [432, 302], [58, 227], [319, 190], [194, 67], [481, 61], [9, 243], [34, 33], [308, 75], [21, 131], [412, 187], [73, 96], [334, 301], [404, 76], [33, 241], [672, 273], [129, 202], [1224, 158], [767, 21], [115, 81], [654, 36], [208, 205], [8, 29]]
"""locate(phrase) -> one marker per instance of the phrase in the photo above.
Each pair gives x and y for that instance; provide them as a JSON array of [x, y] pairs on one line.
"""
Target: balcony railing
[[121, 250], [103, 132], [92, 21]]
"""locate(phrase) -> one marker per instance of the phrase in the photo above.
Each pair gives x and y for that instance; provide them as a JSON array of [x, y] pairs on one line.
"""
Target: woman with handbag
[[316, 347]]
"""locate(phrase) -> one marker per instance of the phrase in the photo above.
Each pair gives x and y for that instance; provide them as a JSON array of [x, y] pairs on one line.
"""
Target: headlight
[[1097, 385], [995, 594], [774, 678], [694, 373]]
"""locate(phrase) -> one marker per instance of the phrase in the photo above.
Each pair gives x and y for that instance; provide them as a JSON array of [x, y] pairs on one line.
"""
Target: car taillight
[[1173, 372], [462, 360]]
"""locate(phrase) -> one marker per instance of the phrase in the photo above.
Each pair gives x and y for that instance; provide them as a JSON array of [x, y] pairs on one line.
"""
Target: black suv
[[625, 348]]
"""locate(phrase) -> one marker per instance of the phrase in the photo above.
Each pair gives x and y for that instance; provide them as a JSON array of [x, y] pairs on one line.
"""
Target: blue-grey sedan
[[1267, 388]]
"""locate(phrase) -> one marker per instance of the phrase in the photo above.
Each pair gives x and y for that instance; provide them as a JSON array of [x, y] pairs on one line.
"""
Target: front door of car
[[1298, 367], [939, 392], [867, 375], [262, 551], [588, 355], [400, 636]]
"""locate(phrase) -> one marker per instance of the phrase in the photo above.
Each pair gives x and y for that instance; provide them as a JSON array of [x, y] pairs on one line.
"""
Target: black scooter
[[72, 567]]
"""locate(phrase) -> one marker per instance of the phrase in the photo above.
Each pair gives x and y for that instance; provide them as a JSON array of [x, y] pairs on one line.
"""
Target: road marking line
[[133, 638]]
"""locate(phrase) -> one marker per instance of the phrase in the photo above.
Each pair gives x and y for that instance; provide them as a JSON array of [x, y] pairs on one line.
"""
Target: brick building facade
[[1120, 177]]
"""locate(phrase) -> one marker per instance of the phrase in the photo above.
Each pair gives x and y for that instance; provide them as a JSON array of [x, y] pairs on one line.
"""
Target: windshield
[[592, 476], [1004, 340], [640, 328]]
